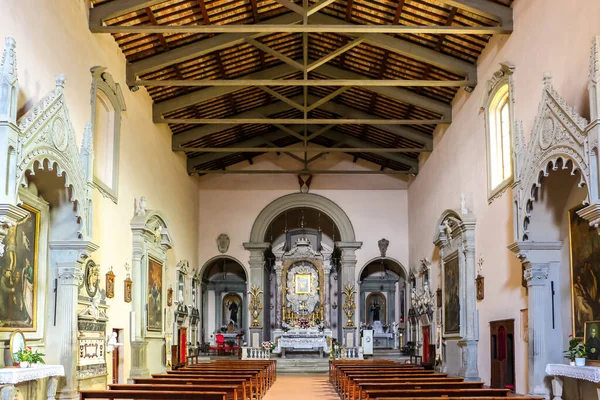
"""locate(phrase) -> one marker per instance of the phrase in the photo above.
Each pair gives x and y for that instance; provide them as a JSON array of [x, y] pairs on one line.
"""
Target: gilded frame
[[157, 294], [11, 344], [585, 339], [302, 283]]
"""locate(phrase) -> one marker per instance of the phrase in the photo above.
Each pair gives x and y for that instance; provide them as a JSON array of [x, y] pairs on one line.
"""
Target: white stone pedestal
[[14, 376]]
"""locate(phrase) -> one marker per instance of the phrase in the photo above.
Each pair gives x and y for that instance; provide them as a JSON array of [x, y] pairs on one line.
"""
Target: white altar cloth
[[13, 376], [302, 343], [559, 371]]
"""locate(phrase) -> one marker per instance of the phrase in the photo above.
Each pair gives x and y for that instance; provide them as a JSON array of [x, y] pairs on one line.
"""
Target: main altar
[[302, 271]]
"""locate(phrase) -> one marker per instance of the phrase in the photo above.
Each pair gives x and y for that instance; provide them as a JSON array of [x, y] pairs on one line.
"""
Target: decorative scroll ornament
[[383, 246], [349, 304], [223, 243], [255, 306]]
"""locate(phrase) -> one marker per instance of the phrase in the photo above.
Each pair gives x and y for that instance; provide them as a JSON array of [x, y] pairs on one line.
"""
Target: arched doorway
[[224, 301], [323, 223], [383, 298]]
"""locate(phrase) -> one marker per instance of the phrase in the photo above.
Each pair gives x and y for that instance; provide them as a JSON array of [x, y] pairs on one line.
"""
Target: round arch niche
[[302, 200]]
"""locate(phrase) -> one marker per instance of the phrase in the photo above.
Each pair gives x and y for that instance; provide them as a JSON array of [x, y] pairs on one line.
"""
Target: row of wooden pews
[[215, 380], [389, 380]]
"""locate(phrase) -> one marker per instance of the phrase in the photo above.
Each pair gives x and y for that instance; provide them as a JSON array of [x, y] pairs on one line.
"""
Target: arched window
[[107, 105], [499, 131]]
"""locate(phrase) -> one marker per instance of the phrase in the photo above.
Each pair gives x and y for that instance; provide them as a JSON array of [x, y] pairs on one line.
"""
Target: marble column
[[138, 367], [257, 278], [536, 276], [348, 272], [279, 293], [470, 342], [326, 304]]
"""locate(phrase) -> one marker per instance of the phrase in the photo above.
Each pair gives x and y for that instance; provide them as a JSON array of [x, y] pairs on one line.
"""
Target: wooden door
[[502, 348], [182, 345], [115, 361], [426, 344]]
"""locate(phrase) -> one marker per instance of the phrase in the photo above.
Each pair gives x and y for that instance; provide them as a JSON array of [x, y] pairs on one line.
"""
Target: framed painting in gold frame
[[302, 282], [154, 296], [584, 244], [19, 273]]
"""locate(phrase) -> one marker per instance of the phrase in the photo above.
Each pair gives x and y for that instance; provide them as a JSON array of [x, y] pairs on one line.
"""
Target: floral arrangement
[[321, 326], [268, 345], [29, 356], [364, 326], [385, 327], [285, 326], [303, 323], [576, 349], [223, 328]]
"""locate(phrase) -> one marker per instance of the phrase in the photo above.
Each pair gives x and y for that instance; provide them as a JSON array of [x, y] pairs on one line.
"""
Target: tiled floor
[[306, 387]]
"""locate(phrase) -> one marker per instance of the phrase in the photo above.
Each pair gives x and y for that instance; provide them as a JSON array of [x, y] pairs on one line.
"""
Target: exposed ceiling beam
[[403, 95], [327, 98], [225, 40], [116, 8], [484, 8], [332, 135], [311, 28], [299, 172], [292, 6], [318, 6], [366, 82], [335, 53], [275, 108], [280, 71], [276, 54], [283, 98], [199, 49], [410, 50], [207, 94], [302, 149], [302, 121]]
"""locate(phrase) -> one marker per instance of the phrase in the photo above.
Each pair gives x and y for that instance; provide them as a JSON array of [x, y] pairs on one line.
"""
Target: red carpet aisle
[[290, 387]]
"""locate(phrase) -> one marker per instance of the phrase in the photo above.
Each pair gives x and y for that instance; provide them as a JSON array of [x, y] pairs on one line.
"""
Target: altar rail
[[349, 353], [254, 353]]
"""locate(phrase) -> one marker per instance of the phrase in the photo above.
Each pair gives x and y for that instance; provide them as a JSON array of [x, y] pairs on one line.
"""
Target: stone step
[[302, 366]]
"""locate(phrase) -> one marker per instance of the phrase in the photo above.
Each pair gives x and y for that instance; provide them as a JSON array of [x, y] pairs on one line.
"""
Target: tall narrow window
[[499, 131], [107, 105]]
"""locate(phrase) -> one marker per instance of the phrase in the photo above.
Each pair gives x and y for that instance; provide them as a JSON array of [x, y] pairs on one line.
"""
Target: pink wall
[[548, 37]]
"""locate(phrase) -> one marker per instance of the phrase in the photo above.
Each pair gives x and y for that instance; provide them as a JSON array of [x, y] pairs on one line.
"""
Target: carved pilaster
[[279, 296], [257, 275], [536, 276]]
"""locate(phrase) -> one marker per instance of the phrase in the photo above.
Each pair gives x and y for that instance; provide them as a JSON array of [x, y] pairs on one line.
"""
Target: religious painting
[[302, 283], [375, 308], [154, 304], [110, 284], [232, 310], [451, 297], [592, 341], [19, 274], [127, 287], [585, 271], [91, 278]]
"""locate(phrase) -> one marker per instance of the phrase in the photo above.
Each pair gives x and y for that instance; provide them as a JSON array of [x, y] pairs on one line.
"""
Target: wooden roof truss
[[239, 78]]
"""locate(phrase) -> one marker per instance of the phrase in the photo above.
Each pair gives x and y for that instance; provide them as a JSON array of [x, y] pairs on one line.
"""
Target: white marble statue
[[111, 342], [448, 229]]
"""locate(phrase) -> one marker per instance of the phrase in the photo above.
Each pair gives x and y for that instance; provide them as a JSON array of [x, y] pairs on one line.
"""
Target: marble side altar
[[302, 340], [13, 376], [585, 382]]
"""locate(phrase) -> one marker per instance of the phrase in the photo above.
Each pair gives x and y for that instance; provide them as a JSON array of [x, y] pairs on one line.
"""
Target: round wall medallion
[[547, 135], [59, 134]]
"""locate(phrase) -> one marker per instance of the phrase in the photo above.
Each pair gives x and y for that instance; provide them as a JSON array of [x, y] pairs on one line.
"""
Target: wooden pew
[[151, 395], [233, 392], [254, 377], [469, 398], [252, 387], [365, 388], [204, 380], [372, 394]]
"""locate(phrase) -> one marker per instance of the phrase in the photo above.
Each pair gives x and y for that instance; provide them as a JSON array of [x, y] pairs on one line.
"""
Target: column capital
[[536, 274], [69, 274], [349, 246], [256, 246]]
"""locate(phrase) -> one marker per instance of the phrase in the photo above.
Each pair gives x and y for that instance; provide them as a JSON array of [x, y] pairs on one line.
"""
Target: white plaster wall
[[53, 37], [548, 36]]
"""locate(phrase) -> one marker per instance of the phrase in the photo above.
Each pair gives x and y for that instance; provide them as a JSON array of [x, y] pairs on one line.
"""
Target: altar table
[[560, 371], [14, 376], [299, 343]]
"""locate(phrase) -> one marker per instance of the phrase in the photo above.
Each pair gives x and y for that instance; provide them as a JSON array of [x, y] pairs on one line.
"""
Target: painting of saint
[[18, 274], [592, 340], [303, 284], [154, 295], [585, 272], [375, 305], [451, 297], [232, 310]]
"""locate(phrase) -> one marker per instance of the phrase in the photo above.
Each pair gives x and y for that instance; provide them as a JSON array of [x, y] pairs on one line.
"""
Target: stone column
[[536, 276], [257, 278], [279, 293], [138, 344], [348, 273], [470, 342], [326, 303]]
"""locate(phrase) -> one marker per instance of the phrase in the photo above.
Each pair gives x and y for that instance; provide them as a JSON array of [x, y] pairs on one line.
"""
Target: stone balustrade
[[255, 353]]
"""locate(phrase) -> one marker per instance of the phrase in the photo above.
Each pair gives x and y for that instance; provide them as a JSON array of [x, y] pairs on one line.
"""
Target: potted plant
[[29, 358], [385, 328], [223, 328], [576, 352]]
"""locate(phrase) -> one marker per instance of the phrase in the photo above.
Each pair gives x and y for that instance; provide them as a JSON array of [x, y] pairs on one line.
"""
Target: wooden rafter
[[301, 121]]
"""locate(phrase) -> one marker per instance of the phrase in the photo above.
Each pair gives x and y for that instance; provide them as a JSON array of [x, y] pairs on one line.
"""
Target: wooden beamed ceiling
[[238, 78]]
